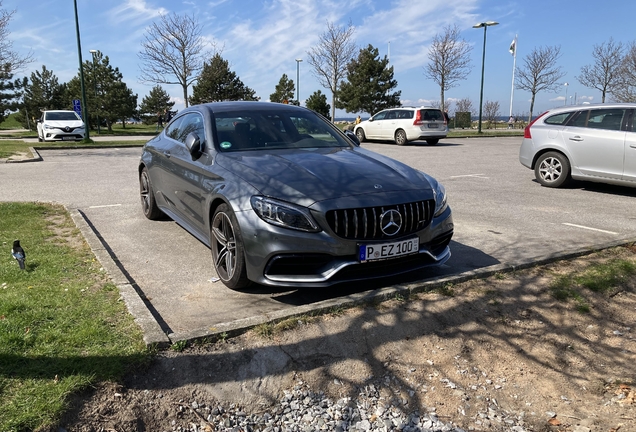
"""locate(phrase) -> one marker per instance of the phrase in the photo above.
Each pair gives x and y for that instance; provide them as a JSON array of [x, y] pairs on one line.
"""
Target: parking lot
[[502, 217]]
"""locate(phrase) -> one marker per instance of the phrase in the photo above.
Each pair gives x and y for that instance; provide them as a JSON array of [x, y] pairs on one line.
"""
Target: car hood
[[314, 175]]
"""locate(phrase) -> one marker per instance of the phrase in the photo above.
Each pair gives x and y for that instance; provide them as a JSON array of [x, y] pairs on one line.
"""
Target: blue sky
[[262, 38]]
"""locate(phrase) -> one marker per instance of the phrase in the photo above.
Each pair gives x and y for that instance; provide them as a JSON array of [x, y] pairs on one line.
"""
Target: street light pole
[[485, 25], [94, 53], [81, 68], [298, 80], [565, 102]]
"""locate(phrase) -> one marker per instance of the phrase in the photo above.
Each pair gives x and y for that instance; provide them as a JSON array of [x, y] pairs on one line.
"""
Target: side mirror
[[370, 119], [352, 137], [194, 145]]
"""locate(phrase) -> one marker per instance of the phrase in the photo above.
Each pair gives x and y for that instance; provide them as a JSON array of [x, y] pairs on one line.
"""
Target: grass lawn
[[62, 327]]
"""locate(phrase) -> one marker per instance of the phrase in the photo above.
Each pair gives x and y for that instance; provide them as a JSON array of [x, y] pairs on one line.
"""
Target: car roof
[[244, 105], [592, 106]]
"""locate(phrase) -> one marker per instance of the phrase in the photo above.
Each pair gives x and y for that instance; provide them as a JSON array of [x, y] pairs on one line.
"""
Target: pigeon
[[18, 253]]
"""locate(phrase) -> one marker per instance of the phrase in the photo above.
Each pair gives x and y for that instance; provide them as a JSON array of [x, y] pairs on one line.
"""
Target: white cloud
[[135, 11]]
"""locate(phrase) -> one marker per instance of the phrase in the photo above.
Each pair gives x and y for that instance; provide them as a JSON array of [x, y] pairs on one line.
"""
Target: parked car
[[283, 197], [404, 124], [586, 142], [59, 125]]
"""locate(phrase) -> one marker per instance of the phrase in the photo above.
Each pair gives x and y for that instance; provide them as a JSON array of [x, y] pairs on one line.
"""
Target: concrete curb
[[153, 334], [237, 327], [36, 157]]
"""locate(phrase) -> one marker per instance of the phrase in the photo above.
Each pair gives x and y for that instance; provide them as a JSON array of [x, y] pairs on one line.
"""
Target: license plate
[[380, 251], [68, 138], [432, 126]]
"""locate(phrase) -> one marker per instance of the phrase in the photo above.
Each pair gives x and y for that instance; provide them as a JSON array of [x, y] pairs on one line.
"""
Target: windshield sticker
[[226, 145]]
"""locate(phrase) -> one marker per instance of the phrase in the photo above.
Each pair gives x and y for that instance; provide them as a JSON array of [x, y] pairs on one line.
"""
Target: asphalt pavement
[[503, 220]]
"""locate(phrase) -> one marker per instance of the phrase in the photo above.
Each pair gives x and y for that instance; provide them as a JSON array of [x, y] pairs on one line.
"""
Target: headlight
[[46, 126], [440, 199], [283, 214]]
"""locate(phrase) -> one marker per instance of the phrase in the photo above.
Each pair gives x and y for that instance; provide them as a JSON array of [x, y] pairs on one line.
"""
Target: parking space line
[[103, 206], [591, 229], [470, 175]]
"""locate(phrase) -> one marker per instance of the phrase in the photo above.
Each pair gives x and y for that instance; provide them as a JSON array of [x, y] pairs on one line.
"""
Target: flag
[[513, 46]]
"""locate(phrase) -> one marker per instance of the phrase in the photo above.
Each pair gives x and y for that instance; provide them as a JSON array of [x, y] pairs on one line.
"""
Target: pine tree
[[157, 101], [10, 92], [108, 97], [284, 90], [43, 92], [218, 83], [318, 103], [369, 84]]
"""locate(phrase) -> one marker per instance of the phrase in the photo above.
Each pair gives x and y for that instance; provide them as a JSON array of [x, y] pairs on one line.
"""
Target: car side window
[[172, 130], [380, 116], [405, 114], [610, 119], [181, 127], [558, 119]]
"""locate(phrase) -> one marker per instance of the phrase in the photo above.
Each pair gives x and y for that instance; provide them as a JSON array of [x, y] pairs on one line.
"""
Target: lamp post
[[485, 25], [298, 80], [565, 102], [81, 68], [94, 53]]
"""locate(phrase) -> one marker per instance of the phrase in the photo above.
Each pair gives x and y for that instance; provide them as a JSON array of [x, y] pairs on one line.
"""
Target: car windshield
[[57, 116], [432, 114], [274, 129]]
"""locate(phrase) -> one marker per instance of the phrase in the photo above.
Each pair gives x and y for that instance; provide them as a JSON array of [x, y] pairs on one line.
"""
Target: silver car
[[586, 142], [282, 197]]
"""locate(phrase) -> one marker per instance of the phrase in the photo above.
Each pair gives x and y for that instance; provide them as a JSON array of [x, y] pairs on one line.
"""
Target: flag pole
[[513, 48]]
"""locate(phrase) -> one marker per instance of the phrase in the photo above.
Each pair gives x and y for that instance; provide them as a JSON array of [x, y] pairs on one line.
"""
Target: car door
[[186, 174], [389, 125], [375, 125], [629, 171], [595, 139]]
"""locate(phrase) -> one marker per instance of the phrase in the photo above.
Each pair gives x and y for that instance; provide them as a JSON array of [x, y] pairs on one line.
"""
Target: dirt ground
[[502, 344]]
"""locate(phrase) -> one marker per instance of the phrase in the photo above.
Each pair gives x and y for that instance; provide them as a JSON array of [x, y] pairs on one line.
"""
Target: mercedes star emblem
[[390, 222]]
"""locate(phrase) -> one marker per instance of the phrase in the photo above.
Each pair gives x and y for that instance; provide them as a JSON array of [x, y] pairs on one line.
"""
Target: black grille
[[364, 223]]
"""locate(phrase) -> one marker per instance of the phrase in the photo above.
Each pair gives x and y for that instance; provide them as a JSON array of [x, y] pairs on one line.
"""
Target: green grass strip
[[62, 326]]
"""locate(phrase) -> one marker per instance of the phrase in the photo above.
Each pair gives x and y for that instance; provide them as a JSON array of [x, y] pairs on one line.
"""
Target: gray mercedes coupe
[[283, 197]]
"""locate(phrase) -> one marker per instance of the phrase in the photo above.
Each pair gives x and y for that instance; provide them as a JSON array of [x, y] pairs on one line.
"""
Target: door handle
[[632, 145], [576, 138], [166, 153]]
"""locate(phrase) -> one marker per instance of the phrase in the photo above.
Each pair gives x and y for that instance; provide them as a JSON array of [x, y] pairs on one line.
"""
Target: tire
[[432, 141], [360, 134], [400, 137], [552, 169], [39, 138], [148, 203], [228, 252]]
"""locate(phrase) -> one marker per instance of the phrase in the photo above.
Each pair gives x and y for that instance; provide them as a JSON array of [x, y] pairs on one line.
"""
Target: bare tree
[[465, 105], [604, 75], [330, 57], [10, 60], [625, 89], [540, 72], [449, 57], [491, 112], [173, 52]]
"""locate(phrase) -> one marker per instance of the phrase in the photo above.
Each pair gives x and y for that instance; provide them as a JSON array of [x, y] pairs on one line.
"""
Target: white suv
[[404, 124], [60, 125]]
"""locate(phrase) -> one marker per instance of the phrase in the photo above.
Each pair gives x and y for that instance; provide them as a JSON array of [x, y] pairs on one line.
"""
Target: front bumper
[[282, 257], [53, 136]]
